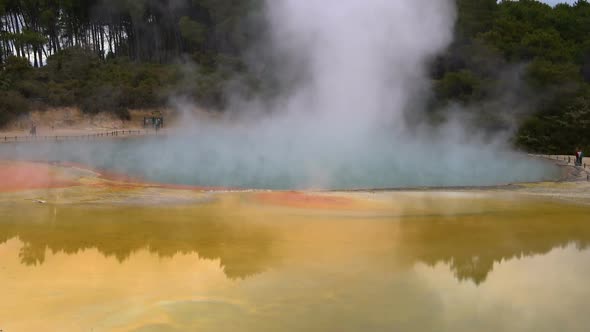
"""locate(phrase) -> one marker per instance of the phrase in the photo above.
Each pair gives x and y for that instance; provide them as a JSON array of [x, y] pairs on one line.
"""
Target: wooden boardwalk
[[6, 139], [582, 172]]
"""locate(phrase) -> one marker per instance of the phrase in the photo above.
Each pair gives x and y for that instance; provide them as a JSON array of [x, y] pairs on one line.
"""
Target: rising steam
[[363, 61]]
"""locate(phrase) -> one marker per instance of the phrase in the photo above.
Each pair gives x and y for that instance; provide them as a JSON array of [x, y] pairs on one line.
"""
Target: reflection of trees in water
[[472, 246], [243, 251]]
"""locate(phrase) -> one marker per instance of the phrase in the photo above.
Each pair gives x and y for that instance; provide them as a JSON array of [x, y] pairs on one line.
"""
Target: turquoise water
[[238, 162]]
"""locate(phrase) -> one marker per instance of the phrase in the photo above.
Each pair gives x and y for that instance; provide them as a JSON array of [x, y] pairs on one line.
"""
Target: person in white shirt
[[579, 157]]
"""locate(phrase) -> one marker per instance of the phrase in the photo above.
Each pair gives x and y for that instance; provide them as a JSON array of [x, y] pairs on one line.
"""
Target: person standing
[[579, 156]]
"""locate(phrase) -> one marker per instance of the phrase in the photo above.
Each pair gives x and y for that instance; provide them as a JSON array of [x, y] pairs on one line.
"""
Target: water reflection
[[119, 232], [409, 264], [471, 236], [473, 245]]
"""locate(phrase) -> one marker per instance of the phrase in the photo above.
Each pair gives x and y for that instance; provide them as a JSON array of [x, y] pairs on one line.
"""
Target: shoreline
[[569, 173], [75, 183]]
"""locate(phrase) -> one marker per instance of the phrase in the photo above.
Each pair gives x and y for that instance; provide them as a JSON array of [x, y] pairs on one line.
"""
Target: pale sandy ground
[[573, 187], [72, 122]]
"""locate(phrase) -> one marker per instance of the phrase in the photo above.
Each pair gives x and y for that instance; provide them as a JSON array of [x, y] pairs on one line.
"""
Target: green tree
[[192, 31], [461, 86]]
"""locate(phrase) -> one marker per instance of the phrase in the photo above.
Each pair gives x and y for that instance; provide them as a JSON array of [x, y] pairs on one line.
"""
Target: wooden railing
[[564, 158], [570, 160], [62, 138]]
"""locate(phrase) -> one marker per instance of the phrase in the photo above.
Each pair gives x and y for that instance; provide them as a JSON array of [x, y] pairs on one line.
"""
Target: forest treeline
[[521, 66], [115, 55]]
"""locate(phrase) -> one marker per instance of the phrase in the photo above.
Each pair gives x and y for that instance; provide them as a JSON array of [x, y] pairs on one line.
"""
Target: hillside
[[521, 67]]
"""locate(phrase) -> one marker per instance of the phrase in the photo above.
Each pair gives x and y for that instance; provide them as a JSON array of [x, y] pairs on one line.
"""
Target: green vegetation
[[115, 55], [520, 66], [524, 64]]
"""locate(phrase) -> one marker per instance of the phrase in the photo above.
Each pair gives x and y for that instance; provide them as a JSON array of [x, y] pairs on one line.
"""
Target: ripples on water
[[420, 262]]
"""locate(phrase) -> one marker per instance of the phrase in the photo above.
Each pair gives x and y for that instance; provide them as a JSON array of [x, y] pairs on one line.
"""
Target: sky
[[555, 2]]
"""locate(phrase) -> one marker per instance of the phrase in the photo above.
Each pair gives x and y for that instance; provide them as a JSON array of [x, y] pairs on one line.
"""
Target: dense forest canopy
[[520, 65], [142, 30]]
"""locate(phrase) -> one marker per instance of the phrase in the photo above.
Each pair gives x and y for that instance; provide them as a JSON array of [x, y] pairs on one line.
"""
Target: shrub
[[12, 104]]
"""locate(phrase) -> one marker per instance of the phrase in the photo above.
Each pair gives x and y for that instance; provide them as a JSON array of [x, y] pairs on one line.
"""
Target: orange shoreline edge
[[27, 175], [18, 176]]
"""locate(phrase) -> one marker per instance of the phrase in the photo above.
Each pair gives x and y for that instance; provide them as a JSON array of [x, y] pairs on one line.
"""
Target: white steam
[[363, 60]]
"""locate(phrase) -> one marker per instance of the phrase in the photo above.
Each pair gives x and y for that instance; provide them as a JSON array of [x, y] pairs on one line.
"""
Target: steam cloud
[[356, 69], [363, 61]]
